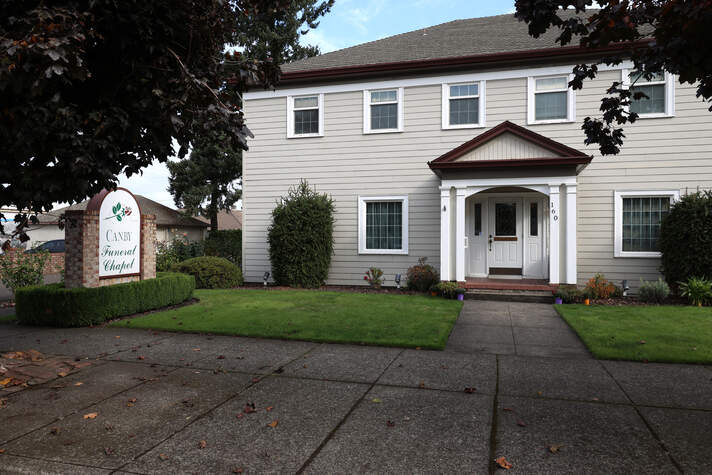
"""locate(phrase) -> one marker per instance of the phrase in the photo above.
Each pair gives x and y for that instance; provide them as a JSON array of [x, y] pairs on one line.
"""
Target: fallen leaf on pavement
[[539, 393], [91, 415], [508, 409], [202, 444], [140, 357], [240, 416], [503, 463], [390, 424], [2, 451], [78, 383], [163, 456], [555, 448], [54, 430], [133, 399], [108, 451], [196, 349], [269, 408], [376, 400], [5, 381], [521, 423], [470, 390], [255, 380], [249, 408], [221, 357], [237, 470], [422, 384], [273, 424]]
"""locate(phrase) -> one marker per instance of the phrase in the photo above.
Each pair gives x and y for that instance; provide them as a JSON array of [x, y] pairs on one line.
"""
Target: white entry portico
[[508, 207]]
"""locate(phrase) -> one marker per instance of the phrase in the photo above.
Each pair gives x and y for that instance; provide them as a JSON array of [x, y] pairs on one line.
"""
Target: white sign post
[[119, 235]]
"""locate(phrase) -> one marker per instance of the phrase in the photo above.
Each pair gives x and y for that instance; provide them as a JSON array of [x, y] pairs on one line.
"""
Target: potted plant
[[460, 292], [374, 276], [434, 290]]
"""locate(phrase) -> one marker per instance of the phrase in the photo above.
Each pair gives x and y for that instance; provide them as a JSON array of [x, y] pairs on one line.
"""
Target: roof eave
[[511, 58]]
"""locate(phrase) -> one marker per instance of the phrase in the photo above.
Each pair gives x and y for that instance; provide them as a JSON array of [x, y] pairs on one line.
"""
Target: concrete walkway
[[184, 403]]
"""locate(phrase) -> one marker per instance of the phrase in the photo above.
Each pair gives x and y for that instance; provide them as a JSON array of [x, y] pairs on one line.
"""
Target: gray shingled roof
[[165, 216], [474, 36]]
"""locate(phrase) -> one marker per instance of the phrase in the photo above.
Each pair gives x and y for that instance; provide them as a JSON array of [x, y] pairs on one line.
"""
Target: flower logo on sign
[[119, 212]]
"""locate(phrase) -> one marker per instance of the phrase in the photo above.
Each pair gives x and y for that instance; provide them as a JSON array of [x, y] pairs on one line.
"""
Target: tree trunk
[[214, 197]]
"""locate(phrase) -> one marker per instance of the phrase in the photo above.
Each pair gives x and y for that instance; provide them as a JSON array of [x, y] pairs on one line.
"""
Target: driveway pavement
[[154, 402]]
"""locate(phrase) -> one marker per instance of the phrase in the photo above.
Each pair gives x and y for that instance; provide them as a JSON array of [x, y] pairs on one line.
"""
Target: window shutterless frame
[[541, 85], [618, 196], [362, 219], [302, 103], [668, 81], [462, 95], [382, 97]]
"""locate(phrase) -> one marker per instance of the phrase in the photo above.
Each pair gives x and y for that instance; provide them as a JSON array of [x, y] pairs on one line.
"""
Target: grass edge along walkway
[[652, 333], [409, 321]]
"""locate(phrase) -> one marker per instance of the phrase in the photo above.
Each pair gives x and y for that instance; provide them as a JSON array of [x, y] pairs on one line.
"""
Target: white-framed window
[[659, 89], [383, 225], [550, 100], [638, 215], [463, 105], [383, 111], [305, 116]]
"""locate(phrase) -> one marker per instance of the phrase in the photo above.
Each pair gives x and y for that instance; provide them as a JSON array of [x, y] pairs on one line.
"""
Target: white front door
[[476, 237], [505, 236], [536, 263]]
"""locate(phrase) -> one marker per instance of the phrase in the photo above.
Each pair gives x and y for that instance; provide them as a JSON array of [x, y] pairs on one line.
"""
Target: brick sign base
[[81, 259]]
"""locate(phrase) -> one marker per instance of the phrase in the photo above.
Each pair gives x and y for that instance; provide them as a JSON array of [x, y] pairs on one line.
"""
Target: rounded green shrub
[[686, 239], [301, 238], [225, 243], [422, 276], [654, 291], [211, 272]]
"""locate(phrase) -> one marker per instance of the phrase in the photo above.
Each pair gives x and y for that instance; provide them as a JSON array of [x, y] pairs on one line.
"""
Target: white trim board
[[423, 81]]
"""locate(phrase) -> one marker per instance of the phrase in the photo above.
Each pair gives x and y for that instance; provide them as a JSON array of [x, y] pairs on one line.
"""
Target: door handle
[[467, 242], [490, 242]]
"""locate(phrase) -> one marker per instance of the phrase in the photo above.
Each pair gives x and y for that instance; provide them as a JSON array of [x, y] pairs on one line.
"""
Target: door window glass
[[478, 219], [533, 219], [505, 223]]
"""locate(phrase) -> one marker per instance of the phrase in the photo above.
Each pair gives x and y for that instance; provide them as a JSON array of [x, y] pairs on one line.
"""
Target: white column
[[571, 234], [445, 213], [460, 235], [554, 223]]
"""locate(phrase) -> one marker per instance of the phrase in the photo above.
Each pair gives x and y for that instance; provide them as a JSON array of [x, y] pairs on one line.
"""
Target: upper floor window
[[550, 100], [658, 90], [463, 105], [383, 111], [305, 116]]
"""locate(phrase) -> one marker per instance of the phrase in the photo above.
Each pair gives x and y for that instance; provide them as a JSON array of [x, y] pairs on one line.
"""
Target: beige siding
[[507, 146], [659, 154]]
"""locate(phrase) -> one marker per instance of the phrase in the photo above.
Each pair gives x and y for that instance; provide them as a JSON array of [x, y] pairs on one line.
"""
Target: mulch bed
[[633, 301], [358, 289]]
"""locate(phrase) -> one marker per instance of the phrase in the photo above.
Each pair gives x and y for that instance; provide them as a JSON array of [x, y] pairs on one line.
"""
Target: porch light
[[444, 208], [265, 278], [397, 280]]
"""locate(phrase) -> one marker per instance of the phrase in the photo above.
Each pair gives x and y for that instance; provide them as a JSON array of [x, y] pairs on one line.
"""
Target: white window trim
[[618, 196], [446, 105], [367, 111], [290, 116], [362, 200], [531, 104], [669, 94]]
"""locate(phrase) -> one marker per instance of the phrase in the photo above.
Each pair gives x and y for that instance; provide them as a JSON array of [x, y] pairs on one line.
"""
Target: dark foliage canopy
[[657, 35], [301, 237], [686, 239]]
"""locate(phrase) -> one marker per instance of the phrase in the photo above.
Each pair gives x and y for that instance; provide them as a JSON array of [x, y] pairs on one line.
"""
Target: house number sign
[[554, 213]]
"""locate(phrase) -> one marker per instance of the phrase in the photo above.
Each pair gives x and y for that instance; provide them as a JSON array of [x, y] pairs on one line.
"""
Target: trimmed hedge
[[211, 272], [225, 243], [57, 306], [686, 239], [301, 238]]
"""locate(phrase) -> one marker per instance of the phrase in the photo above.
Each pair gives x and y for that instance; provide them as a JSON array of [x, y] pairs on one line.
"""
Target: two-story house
[[462, 143]]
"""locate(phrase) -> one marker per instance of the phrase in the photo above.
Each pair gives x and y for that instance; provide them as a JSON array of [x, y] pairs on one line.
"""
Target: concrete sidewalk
[[184, 403]]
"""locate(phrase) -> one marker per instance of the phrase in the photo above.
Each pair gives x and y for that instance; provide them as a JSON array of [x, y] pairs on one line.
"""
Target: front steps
[[528, 296]]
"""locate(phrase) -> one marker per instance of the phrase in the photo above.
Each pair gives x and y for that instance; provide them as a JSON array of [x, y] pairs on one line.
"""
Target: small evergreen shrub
[[686, 239], [654, 291], [422, 276], [19, 269], [447, 289], [569, 294], [598, 287], [697, 290], [301, 238], [225, 243], [211, 272], [57, 306], [178, 250]]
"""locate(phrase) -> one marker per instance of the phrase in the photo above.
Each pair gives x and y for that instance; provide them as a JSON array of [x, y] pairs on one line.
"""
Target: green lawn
[[7, 318], [670, 334], [340, 317]]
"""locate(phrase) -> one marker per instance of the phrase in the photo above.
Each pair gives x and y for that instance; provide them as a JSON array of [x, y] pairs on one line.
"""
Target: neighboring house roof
[[227, 219], [542, 151], [165, 216], [462, 43]]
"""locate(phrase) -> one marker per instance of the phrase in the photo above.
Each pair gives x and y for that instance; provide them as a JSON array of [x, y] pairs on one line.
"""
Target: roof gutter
[[458, 62]]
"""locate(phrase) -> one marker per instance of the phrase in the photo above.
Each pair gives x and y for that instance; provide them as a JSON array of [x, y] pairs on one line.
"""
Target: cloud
[[153, 184], [361, 17], [316, 37]]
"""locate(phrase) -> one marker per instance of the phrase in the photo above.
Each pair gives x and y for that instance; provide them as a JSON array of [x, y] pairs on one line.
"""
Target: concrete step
[[530, 296]]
